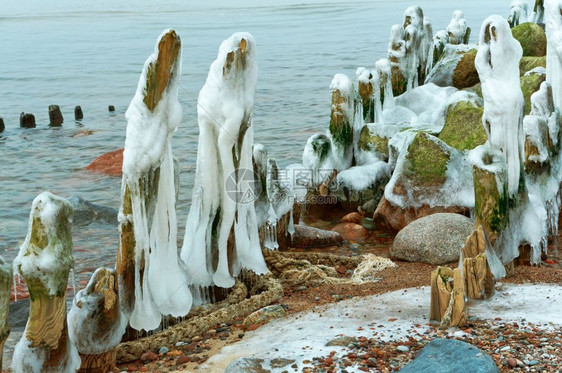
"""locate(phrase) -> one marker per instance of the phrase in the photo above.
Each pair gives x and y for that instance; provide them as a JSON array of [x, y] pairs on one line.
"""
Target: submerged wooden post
[[45, 260], [5, 286], [95, 322], [447, 297]]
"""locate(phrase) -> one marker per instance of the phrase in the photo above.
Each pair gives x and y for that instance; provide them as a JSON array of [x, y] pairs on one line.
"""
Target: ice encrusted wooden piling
[[44, 261], [147, 217], [221, 235], [96, 323], [5, 286]]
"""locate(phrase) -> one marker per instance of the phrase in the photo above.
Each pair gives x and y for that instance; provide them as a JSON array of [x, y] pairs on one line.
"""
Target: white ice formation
[[148, 152], [224, 190], [497, 63], [518, 13], [457, 28], [553, 23]]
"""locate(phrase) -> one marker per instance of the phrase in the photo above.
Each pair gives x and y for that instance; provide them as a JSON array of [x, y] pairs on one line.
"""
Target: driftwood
[[478, 278], [447, 297], [5, 286]]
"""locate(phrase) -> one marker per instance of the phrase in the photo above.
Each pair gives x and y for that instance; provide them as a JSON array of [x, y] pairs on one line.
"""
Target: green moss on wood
[[340, 121], [532, 39], [491, 207], [427, 161], [463, 128]]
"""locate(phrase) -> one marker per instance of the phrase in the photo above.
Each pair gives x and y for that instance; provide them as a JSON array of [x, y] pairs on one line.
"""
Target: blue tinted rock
[[450, 355]]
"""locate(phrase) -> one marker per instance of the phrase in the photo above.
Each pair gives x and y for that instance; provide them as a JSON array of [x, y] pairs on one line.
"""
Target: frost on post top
[[154, 112], [46, 253], [497, 63], [148, 211], [222, 195]]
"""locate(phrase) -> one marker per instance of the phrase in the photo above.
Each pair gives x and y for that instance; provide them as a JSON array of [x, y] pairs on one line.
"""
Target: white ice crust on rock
[[497, 63], [148, 148], [221, 194]]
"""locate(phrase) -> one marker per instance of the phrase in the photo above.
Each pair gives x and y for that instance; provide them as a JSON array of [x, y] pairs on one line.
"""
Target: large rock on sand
[[450, 355], [436, 239]]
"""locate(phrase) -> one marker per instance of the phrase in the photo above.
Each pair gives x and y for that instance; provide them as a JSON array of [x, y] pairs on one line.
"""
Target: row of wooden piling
[[56, 119]]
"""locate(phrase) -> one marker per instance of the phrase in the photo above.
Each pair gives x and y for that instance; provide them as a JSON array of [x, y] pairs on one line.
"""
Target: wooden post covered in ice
[[221, 235], [95, 322], [5, 286], [44, 261], [151, 281], [342, 117], [447, 297], [498, 165]]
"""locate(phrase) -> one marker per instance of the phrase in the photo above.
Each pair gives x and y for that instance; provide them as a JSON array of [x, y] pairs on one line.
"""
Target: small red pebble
[[149, 356], [182, 360], [143, 369], [328, 361], [252, 327]]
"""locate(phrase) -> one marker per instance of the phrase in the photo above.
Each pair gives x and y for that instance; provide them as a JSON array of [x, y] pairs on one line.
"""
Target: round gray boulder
[[435, 239]]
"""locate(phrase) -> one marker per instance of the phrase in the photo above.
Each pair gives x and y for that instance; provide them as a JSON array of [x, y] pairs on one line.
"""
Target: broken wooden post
[[27, 120], [479, 282], [147, 218], [44, 261], [55, 116], [367, 83], [96, 323], [5, 286], [447, 297], [78, 114]]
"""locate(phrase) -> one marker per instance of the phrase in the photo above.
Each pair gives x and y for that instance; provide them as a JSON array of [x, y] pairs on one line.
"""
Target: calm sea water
[[70, 52]]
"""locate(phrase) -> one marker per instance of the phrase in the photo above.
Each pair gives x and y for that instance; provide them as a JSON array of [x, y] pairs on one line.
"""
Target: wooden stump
[[478, 278], [44, 261], [95, 322], [5, 286], [447, 297], [365, 91]]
